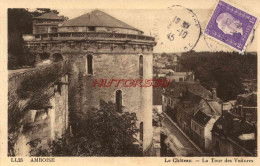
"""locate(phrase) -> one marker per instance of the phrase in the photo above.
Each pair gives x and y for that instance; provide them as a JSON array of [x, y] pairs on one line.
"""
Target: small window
[[200, 132], [141, 132], [181, 79], [119, 100], [92, 29], [195, 127], [53, 30], [90, 64], [141, 66]]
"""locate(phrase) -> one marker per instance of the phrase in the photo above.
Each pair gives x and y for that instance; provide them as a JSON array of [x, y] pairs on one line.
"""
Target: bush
[[104, 133]]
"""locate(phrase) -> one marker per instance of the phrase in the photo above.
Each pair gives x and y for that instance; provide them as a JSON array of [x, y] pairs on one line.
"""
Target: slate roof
[[189, 103], [49, 16], [201, 118], [227, 126], [98, 18], [175, 88], [228, 130]]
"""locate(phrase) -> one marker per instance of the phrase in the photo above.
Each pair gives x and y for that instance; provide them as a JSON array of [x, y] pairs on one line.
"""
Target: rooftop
[[175, 88], [201, 117], [98, 18], [237, 130], [49, 16]]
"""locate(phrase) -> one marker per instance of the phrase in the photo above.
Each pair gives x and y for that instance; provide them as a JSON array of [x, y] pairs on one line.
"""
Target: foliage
[[11, 142], [38, 81], [36, 148], [222, 70], [19, 23], [105, 132], [34, 91]]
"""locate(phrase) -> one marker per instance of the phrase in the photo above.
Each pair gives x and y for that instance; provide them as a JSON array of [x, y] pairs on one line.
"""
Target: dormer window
[[92, 29]]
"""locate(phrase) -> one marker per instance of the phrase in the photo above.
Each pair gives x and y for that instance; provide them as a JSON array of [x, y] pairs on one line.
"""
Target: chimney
[[222, 109], [224, 112], [236, 123], [214, 93], [243, 114]]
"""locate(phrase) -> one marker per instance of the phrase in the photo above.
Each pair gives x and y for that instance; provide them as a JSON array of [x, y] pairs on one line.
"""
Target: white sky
[[144, 19], [142, 14]]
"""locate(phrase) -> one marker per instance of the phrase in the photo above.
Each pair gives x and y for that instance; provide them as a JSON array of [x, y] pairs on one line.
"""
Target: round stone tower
[[101, 47]]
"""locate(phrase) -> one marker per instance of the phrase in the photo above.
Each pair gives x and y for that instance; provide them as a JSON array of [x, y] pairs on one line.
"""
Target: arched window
[[141, 131], [90, 64], [119, 100], [141, 66], [53, 30], [57, 57]]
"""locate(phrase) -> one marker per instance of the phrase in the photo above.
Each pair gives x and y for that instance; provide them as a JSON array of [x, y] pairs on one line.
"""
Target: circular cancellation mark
[[177, 29]]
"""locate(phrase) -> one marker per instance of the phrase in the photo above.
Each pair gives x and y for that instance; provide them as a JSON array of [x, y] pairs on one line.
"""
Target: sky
[[159, 16]]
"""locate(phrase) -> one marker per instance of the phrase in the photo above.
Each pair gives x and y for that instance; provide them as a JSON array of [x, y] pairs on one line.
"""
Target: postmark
[[231, 26], [177, 29]]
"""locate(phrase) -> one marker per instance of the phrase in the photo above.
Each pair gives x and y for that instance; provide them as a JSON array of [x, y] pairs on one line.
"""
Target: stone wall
[[45, 120]]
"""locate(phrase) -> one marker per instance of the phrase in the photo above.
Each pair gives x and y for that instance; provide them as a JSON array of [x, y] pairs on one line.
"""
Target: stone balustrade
[[87, 36]]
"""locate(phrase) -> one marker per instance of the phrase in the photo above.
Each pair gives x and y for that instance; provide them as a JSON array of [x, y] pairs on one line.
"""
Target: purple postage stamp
[[231, 25]]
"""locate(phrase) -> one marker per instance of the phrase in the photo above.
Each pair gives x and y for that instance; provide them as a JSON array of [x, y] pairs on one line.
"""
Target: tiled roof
[[49, 16], [98, 18]]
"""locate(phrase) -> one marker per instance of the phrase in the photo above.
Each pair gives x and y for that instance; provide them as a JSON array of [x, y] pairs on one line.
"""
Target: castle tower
[[100, 46]]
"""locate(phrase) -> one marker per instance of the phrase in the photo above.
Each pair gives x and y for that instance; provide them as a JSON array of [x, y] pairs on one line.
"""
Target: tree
[[104, 133], [222, 70], [19, 23]]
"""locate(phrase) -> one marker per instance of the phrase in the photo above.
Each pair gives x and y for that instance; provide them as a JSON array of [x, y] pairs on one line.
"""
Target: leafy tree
[[19, 23], [105, 132], [222, 70]]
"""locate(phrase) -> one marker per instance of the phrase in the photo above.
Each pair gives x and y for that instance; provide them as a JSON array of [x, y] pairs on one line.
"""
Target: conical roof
[[98, 18], [49, 16]]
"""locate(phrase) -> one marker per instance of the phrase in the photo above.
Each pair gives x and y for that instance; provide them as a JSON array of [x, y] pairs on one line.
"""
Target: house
[[194, 108], [181, 76], [227, 106], [184, 111], [202, 123], [165, 71], [246, 107], [233, 136], [175, 96]]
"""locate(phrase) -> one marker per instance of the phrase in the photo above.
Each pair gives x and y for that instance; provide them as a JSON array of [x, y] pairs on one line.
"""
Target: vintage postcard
[[129, 82]]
